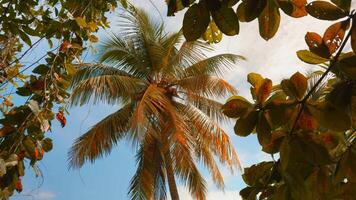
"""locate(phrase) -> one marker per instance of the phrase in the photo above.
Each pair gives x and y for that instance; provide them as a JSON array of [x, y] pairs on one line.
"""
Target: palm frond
[[149, 109], [149, 181], [106, 84], [208, 106], [99, 140], [125, 54], [210, 134], [205, 85], [216, 65], [187, 171]]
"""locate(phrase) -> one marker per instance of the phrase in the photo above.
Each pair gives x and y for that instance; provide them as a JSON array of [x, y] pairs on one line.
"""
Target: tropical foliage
[[167, 108], [31, 100], [309, 122]]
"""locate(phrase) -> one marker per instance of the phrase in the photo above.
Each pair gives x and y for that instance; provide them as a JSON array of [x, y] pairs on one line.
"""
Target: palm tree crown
[[167, 110]]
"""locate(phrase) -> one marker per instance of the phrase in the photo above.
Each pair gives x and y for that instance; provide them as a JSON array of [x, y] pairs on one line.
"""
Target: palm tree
[[166, 107]]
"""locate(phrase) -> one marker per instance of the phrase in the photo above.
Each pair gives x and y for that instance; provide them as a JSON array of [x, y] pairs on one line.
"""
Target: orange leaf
[[18, 186], [313, 40], [264, 90], [65, 46], [300, 84], [61, 118], [334, 35], [316, 44]]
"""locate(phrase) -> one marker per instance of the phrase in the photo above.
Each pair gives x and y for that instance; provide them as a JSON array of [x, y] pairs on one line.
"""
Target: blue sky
[[109, 178]]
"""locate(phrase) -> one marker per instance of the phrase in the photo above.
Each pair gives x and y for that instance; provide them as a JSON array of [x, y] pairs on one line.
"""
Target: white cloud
[[45, 195]]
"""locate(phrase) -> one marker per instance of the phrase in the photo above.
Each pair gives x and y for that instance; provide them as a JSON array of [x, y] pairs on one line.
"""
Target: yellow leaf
[[93, 38], [92, 26], [81, 22]]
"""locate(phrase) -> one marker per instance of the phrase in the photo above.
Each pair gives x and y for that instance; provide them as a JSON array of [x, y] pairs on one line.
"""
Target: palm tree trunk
[[170, 176]]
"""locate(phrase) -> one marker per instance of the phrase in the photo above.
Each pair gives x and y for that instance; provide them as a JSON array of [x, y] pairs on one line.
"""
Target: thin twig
[[332, 65], [23, 70]]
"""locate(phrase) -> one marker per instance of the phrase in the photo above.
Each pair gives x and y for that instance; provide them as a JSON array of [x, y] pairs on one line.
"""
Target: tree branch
[[331, 66]]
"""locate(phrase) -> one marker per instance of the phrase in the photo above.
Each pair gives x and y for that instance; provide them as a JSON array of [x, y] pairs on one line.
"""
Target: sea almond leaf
[[334, 35], [325, 11], [300, 84], [269, 20]]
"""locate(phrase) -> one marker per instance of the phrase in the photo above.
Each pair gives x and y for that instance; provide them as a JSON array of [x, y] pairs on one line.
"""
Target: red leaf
[[18, 186], [61, 118], [65, 46]]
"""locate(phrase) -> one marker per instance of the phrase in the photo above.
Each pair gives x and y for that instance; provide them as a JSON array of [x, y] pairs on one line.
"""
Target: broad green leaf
[[344, 4], [300, 84], [47, 144], [334, 35], [41, 69], [269, 20], [263, 129], [195, 22], [258, 173], [227, 21], [24, 37], [340, 95], [212, 33], [329, 117], [249, 10], [276, 140], [236, 107], [293, 8], [325, 10], [177, 5], [348, 67], [310, 57], [245, 125]]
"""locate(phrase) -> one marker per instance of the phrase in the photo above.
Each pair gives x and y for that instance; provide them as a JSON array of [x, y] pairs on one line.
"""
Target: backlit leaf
[[264, 90], [310, 57], [269, 20], [236, 106], [344, 4], [334, 35], [263, 129], [245, 125], [325, 10], [227, 21], [316, 44], [293, 8], [212, 33], [195, 22], [249, 10], [300, 84]]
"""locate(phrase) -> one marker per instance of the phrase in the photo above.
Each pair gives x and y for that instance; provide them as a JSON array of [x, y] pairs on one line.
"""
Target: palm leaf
[[99, 140], [215, 66], [103, 84], [149, 179], [206, 85]]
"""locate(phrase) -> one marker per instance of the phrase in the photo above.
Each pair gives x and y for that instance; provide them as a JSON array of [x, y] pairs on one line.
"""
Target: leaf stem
[[332, 65]]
